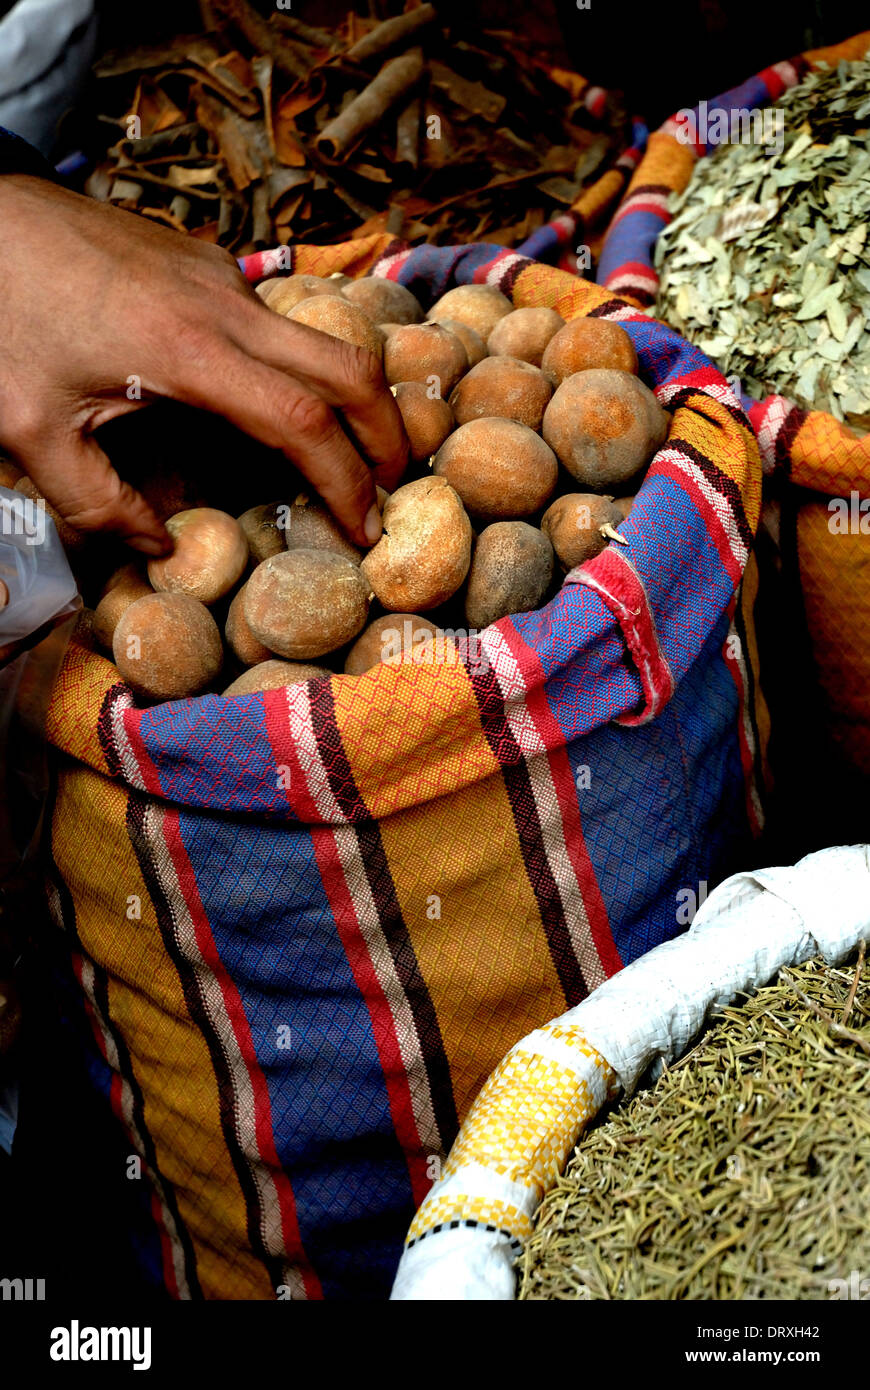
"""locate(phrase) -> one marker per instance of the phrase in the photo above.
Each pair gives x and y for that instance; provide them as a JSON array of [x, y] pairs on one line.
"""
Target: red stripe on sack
[[642, 205], [773, 81], [276, 714], [758, 412], [747, 757], [595, 100], [614, 578], [241, 1032], [717, 532], [483, 272], [131, 720], [566, 794], [383, 1026], [636, 269], [393, 271]]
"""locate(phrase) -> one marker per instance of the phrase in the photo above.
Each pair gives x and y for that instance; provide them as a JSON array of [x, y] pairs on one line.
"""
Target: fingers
[[277, 410], [348, 378], [76, 477]]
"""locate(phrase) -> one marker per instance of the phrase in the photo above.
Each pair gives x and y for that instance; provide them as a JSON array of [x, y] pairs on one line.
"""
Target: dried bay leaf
[[836, 316], [818, 302], [764, 263]]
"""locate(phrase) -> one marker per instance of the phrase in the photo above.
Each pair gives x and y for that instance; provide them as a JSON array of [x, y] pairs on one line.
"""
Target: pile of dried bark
[[259, 131]]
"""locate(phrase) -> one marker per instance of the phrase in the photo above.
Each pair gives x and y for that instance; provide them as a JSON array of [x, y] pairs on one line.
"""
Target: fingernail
[[373, 526], [149, 545]]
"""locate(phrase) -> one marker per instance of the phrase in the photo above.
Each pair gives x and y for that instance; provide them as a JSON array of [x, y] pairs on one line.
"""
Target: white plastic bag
[[46, 47], [33, 567]]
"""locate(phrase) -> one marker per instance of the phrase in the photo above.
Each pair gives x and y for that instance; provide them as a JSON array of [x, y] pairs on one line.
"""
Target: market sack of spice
[[719, 1182], [355, 886], [696, 1129], [758, 253]]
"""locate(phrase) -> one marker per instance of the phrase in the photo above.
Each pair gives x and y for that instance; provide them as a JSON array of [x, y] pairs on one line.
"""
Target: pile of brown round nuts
[[528, 436]]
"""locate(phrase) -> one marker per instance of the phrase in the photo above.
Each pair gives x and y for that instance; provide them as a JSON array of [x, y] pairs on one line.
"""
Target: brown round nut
[[305, 603], [604, 426], [511, 570], [384, 300], [239, 637], [274, 675], [284, 292], [572, 523], [333, 315], [586, 343], [124, 587], [425, 352], [309, 525], [524, 333], [479, 306], [427, 420], [262, 529], [167, 646], [209, 557], [474, 345], [502, 470], [424, 553], [399, 639], [502, 386]]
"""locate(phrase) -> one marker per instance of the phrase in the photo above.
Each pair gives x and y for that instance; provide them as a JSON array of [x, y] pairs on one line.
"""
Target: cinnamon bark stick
[[395, 79], [391, 33]]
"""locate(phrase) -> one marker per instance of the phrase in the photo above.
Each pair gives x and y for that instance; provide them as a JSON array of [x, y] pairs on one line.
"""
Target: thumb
[[77, 479]]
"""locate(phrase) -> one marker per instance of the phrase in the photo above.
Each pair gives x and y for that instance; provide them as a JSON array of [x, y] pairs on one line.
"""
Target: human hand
[[91, 295]]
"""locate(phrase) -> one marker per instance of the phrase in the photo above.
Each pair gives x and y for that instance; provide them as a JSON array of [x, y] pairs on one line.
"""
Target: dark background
[[654, 53]]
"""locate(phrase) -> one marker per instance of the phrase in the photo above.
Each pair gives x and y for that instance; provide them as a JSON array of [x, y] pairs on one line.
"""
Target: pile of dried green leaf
[[743, 1174], [766, 264], [262, 131]]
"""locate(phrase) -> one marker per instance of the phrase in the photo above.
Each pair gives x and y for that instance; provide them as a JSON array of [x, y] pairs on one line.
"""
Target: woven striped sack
[[808, 458], [297, 984]]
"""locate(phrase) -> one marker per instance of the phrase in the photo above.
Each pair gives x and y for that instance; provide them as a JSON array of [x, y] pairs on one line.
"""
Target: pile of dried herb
[[766, 264], [744, 1173], [262, 130]]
